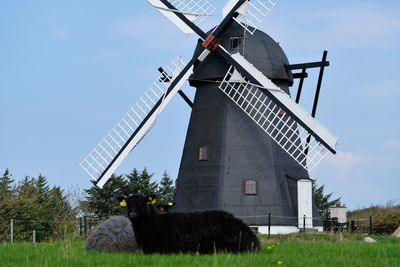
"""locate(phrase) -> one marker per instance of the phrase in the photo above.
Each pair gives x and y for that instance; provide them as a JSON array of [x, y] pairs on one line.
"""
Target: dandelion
[[280, 262]]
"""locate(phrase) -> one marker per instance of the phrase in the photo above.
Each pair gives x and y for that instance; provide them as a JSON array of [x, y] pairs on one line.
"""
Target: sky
[[69, 70]]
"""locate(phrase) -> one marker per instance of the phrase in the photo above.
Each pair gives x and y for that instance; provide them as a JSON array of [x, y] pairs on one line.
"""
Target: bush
[[385, 220]]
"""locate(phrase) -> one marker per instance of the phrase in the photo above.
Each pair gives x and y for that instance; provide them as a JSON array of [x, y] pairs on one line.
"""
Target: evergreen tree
[[42, 188], [26, 211], [6, 185], [6, 204], [166, 190], [62, 214], [44, 207], [322, 201], [141, 182], [102, 202], [60, 206]]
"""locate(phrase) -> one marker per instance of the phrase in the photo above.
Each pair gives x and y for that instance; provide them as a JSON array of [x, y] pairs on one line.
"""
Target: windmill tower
[[249, 146]]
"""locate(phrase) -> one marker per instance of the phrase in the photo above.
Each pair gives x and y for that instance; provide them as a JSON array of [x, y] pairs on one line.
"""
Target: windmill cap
[[259, 49]]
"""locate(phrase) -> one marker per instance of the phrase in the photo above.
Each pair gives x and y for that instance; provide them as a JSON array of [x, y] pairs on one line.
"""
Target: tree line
[[53, 213], [33, 205]]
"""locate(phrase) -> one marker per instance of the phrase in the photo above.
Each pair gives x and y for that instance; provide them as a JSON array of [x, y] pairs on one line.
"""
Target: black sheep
[[197, 232]]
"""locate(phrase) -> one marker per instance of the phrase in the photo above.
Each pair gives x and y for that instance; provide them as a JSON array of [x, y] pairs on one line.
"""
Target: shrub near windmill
[[249, 146]]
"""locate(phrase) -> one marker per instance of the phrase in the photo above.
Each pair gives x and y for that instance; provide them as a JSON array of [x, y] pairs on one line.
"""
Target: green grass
[[289, 250]]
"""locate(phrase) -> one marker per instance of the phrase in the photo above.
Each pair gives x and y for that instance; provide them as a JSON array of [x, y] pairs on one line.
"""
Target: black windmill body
[[224, 150], [249, 147]]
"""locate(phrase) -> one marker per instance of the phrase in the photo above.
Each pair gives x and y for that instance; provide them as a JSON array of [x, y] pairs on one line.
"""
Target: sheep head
[[137, 204]]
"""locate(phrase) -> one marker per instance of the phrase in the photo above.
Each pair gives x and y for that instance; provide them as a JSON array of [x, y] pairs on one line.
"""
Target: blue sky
[[70, 69]]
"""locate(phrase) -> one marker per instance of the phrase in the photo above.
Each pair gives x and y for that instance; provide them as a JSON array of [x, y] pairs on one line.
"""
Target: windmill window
[[203, 153], [250, 187], [236, 45]]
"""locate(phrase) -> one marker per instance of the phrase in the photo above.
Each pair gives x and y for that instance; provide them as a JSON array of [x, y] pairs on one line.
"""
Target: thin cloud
[[362, 177], [361, 26], [365, 26], [343, 164]]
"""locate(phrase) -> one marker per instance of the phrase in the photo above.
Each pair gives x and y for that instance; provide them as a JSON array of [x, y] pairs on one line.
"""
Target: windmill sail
[[102, 161], [251, 13], [286, 122], [194, 10]]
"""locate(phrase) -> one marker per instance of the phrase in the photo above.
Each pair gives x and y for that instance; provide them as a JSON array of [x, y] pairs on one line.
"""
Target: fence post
[[80, 226], [327, 224], [84, 225], [90, 225], [34, 236], [304, 223], [370, 225], [12, 231], [353, 227], [269, 224], [65, 231]]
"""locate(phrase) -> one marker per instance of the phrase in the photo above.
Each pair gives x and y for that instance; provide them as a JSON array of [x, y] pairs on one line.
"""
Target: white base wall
[[319, 228], [304, 200], [283, 230]]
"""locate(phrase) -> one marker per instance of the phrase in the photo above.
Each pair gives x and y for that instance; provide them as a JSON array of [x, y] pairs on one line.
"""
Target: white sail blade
[[286, 128], [103, 160], [194, 10], [229, 6], [252, 13]]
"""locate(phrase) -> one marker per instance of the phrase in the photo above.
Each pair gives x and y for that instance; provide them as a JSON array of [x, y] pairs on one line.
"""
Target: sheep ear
[[151, 199], [166, 206], [122, 201]]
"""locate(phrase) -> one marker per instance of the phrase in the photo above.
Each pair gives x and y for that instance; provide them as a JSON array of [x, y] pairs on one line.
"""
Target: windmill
[[249, 146]]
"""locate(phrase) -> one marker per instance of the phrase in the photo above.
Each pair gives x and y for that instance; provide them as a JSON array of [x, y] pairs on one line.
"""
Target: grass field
[[292, 250]]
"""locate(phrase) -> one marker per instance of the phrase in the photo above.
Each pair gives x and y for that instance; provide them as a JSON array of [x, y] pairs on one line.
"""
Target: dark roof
[[260, 49]]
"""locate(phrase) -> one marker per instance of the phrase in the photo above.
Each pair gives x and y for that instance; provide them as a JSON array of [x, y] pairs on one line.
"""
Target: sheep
[[113, 235], [196, 232]]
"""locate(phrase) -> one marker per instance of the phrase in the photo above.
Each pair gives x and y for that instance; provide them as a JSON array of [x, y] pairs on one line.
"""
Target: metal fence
[[359, 225], [18, 230]]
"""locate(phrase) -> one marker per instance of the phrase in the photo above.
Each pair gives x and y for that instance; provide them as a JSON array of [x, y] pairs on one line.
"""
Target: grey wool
[[113, 235]]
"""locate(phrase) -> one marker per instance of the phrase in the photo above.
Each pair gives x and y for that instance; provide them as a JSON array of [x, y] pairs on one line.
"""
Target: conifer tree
[[6, 184], [322, 201], [141, 182], [166, 190], [6, 204], [62, 214], [102, 202]]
